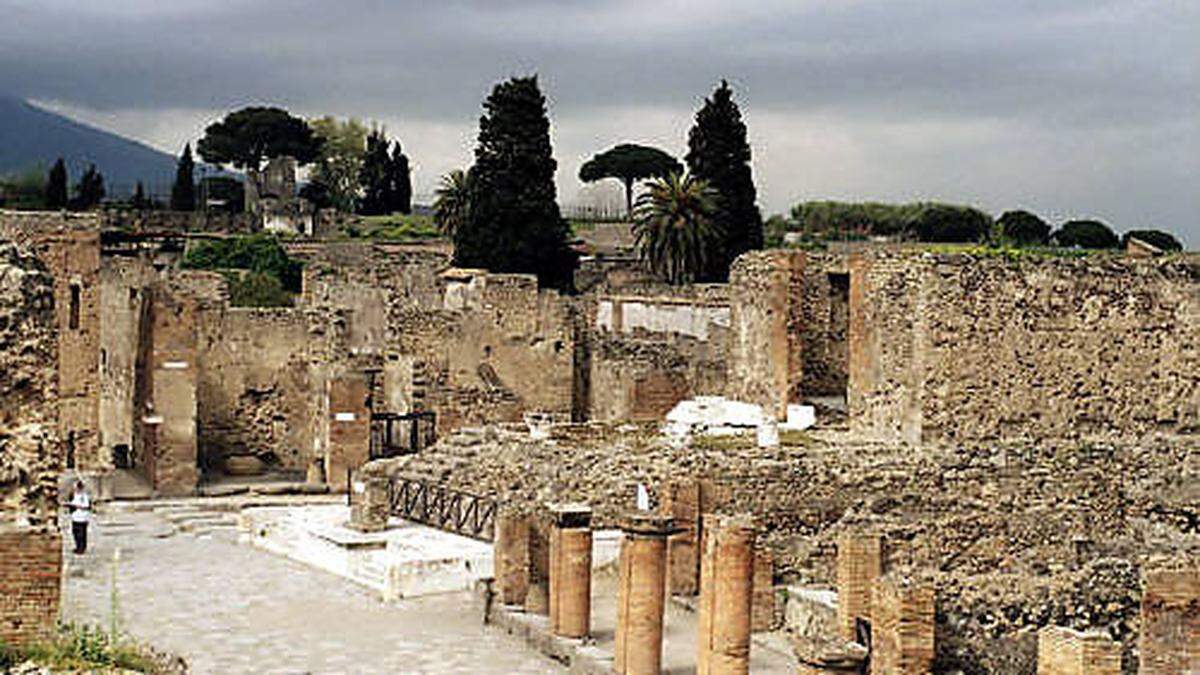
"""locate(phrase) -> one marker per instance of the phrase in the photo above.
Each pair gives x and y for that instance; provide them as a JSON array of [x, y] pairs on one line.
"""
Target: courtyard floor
[[187, 586]]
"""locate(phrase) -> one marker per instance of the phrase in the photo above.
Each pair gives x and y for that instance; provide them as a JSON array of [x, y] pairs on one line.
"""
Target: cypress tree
[[56, 186], [719, 154], [183, 192], [139, 201], [513, 224], [399, 181], [90, 189], [374, 175]]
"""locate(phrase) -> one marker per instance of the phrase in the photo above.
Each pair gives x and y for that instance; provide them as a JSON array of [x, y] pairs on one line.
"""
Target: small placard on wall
[[152, 419], [344, 417], [175, 365]]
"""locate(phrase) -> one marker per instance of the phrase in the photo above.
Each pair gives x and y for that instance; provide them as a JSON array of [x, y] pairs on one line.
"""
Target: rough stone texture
[[124, 292], [647, 353], [30, 564], [256, 386], [29, 443], [1062, 651], [953, 346], [859, 567], [1170, 635], [766, 353], [349, 427]]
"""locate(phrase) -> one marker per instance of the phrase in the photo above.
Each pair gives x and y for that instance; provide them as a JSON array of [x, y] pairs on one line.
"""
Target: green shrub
[[256, 289], [255, 253], [1023, 228], [952, 224], [87, 648], [1164, 241], [1086, 234], [394, 227]]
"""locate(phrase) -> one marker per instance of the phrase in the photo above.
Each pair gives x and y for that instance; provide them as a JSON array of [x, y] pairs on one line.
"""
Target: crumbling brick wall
[[30, 455], [960, 346], [647, 353]]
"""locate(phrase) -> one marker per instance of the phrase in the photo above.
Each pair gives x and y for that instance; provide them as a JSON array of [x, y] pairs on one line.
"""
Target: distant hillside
[[31, 136]]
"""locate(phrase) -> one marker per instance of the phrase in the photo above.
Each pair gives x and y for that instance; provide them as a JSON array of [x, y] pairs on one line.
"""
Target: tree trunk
[[629, 199]]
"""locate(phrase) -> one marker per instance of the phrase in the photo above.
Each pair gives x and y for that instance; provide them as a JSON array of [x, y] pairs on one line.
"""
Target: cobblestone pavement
[[227, 607]]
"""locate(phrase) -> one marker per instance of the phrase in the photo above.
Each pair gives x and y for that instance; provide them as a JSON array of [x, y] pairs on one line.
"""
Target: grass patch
[[394, 227], [1018, 253], [83, 648]]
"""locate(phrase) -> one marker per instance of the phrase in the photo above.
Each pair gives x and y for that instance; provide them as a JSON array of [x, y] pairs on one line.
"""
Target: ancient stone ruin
[[1002, 476]]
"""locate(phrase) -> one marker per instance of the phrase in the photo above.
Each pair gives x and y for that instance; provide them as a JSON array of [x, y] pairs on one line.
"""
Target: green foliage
[[452, 204], [90, 190], [719, 155], [1086, 234], [56, 186], [247, 137], [224, 189], [139, 202], [256, 253], [395, 227], [85, 648], [183, 192], [1024, 228], [384, 179], [629, 163], [256, 289], [947, 223], [513, 224], [1164, 241], [846, 220], [343, 148], [675, 227]]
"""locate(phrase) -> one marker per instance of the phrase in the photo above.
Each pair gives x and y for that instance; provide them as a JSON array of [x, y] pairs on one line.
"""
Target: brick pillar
[[349, 428], [641, 595], [571, 571], [537, 597], [762, 608], [681, 501], [369, 511], [511, 557], [30, 574], [902, 623], [726, 590], [1170, 631], [859, 565], [1062, 651]]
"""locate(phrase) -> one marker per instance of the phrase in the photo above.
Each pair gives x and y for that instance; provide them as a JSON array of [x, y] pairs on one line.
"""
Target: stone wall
[[646, 353], [124, 290], [30, 572], [954, 346], [29, 443]]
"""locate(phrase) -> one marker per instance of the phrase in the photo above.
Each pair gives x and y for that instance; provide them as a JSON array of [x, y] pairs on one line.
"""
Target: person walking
[[81, 513]]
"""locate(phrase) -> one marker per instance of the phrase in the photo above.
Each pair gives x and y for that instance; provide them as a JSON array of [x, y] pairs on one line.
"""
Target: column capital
[[647, 524]]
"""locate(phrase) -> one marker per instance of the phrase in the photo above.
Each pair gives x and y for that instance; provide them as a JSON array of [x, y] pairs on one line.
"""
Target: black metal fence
[[441, 507], [395, 434]]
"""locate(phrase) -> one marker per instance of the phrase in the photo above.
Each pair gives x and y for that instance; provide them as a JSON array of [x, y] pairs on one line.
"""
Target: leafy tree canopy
[[383, 178], [90, 191], [1086, 234], [56, 186], [248, 137], [1023, 227], [513, 224], [675, 228], [629, 163], [343, 148], [958, 224], [1164, 241]]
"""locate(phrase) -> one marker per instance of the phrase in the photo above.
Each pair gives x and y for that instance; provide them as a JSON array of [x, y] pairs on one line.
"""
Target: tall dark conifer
[[373, 176], [183, 192], [514, 224], [399, 181], [56, 186], [90, 191], [719, 154]]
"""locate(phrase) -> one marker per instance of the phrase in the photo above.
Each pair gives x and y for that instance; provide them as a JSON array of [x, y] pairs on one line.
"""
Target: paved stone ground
[[227, 607]]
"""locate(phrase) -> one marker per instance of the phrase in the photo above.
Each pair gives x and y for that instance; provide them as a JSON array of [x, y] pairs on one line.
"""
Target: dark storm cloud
[[1053, 67]]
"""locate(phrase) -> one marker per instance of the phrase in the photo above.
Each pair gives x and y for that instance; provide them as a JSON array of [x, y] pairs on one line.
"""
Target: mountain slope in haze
[[31, 137]]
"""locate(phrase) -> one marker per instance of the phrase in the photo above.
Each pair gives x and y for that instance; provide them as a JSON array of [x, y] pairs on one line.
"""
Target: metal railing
[[443, 508], [395, 434]]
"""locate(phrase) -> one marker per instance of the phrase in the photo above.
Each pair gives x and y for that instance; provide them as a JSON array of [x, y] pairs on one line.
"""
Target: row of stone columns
[[726, 585]]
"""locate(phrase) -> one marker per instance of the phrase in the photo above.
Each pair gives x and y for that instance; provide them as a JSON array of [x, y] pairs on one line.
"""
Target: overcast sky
[[1069, 108]]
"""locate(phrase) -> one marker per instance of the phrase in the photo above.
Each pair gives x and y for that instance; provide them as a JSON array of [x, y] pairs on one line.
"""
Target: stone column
[[369, 510], [641, 595], [571, 570], [511, 557], [537, 597], [1062, 651], [1169, 641], [726, 589], [681, 501], [859, 565], [902, 627]]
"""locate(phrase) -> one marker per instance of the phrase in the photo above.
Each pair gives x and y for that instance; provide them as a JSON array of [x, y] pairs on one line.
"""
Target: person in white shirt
[[81, 512]]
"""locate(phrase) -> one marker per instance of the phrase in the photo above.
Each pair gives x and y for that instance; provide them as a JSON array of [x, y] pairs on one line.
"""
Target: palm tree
[[674, 226], [452, 202]]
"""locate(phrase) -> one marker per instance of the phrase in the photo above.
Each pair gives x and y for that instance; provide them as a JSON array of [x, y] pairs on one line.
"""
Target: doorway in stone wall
[[831, 376]]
